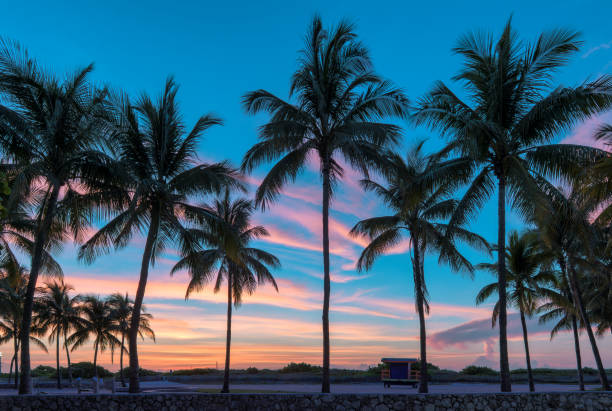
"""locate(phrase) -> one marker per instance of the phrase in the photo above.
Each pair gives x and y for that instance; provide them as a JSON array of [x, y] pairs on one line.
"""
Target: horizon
[[236, 50]]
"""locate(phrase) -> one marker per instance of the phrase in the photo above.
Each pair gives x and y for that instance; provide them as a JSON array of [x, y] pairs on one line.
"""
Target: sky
[[219, 51]]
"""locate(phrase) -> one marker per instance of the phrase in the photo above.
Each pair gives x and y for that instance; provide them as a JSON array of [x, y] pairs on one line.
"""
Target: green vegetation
[[476, 370], [300, 367]]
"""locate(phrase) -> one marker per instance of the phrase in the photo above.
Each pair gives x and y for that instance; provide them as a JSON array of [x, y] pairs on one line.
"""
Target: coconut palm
[[59, 314], [121, 310], [505, 128], [417, 192], [339, 104], [97, 323], [527, 273], [560, 307], [13, 288], [158, 165], [51, 130], [242, 268], [567, 233]]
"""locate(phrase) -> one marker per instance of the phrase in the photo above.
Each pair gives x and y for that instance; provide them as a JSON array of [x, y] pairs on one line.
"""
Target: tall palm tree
[[242, 268], [560, 307], [418, 193], [572, 239], [505, 129], [51, 130], [59, 314], [97, 323], [526, 274], [158, 165], [13, 288], [121, 310], [339, 105]]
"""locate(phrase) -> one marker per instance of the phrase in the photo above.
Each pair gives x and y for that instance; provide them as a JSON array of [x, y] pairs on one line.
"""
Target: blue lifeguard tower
[[399, 372]]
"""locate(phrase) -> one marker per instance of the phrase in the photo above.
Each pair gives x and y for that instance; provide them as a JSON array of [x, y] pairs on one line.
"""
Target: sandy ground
[[363, 388]]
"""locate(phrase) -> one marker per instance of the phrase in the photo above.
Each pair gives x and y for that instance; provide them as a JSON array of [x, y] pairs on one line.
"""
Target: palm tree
[[417, 193], [60, 314], [121, 310], [13, 286], [569, 236], [505, 133], [157, 158], [526, 274], [560, 307], [339, 104], [97, 322], [243, 269], [51, 131]]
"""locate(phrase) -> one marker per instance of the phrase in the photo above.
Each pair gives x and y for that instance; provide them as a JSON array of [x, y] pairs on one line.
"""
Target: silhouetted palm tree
[[527, 272], [339, 104], [13, 287], [52, 131], [418, 194], [158, 163], [59, 314], [121, 310], [515, 112], [97, 323], [242, 268]]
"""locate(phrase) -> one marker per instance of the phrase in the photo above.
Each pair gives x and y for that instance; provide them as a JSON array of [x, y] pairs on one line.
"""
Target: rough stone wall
[[387, 402]]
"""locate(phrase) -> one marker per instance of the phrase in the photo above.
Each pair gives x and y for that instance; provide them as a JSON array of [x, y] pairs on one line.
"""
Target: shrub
[[476, 370], [252, 370], [299, 367], [43, 371], [430, 367], [142, 372], [85, 369], [194, 371]]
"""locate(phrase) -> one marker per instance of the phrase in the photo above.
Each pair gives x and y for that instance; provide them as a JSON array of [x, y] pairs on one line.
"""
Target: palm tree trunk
[[121, 359], [228, 337], [603, 378], [142, 283], [418, 289], [504, 367], [68, 358], [96, 360], [28, 303], [578, 357], [527, 356], [16, 363], [57, 361], [11, 368], [325, 388]]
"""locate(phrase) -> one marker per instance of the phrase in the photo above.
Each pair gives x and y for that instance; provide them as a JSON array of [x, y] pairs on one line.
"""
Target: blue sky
[[219, 51]]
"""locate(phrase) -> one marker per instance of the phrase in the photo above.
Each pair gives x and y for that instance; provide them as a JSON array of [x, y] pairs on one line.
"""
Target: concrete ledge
[[373, 402]]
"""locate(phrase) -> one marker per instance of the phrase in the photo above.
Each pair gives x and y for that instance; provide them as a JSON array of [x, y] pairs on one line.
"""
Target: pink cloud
[[584, 132]]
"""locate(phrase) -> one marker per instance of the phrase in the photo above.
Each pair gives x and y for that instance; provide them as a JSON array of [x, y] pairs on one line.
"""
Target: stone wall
[[387, 402]]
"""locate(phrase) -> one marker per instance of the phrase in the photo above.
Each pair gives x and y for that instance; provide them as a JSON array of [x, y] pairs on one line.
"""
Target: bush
[[86, 370], [143, 372], [44, 371], [476, 370], [430, 367], [252, 370], [376, 369], [299, 367], [193, 371]]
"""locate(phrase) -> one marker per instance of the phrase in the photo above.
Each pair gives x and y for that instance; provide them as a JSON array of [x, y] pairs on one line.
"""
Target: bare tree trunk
[[504, 367], [228, 337], [603, 378], [578, 356], [142, 284], [527, 356], [121, 359], [28, 303], [420, 305], [57, 361], [325, 388]]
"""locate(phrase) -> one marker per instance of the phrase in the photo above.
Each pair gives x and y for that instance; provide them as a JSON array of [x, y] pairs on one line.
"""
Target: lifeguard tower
[[399, 372]]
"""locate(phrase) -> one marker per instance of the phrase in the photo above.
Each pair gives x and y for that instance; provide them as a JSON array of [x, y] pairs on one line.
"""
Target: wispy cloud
[[603, 46]]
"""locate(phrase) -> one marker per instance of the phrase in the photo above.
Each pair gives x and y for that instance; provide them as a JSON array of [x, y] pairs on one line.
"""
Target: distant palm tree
[[158, 163], [515, 112], [52, 131], [560, 307], [527, 274], [59, 314], [340, 102], [566, 231], [13, 286], [417, 193], [99, 324], [243, 269], [121, 310]]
